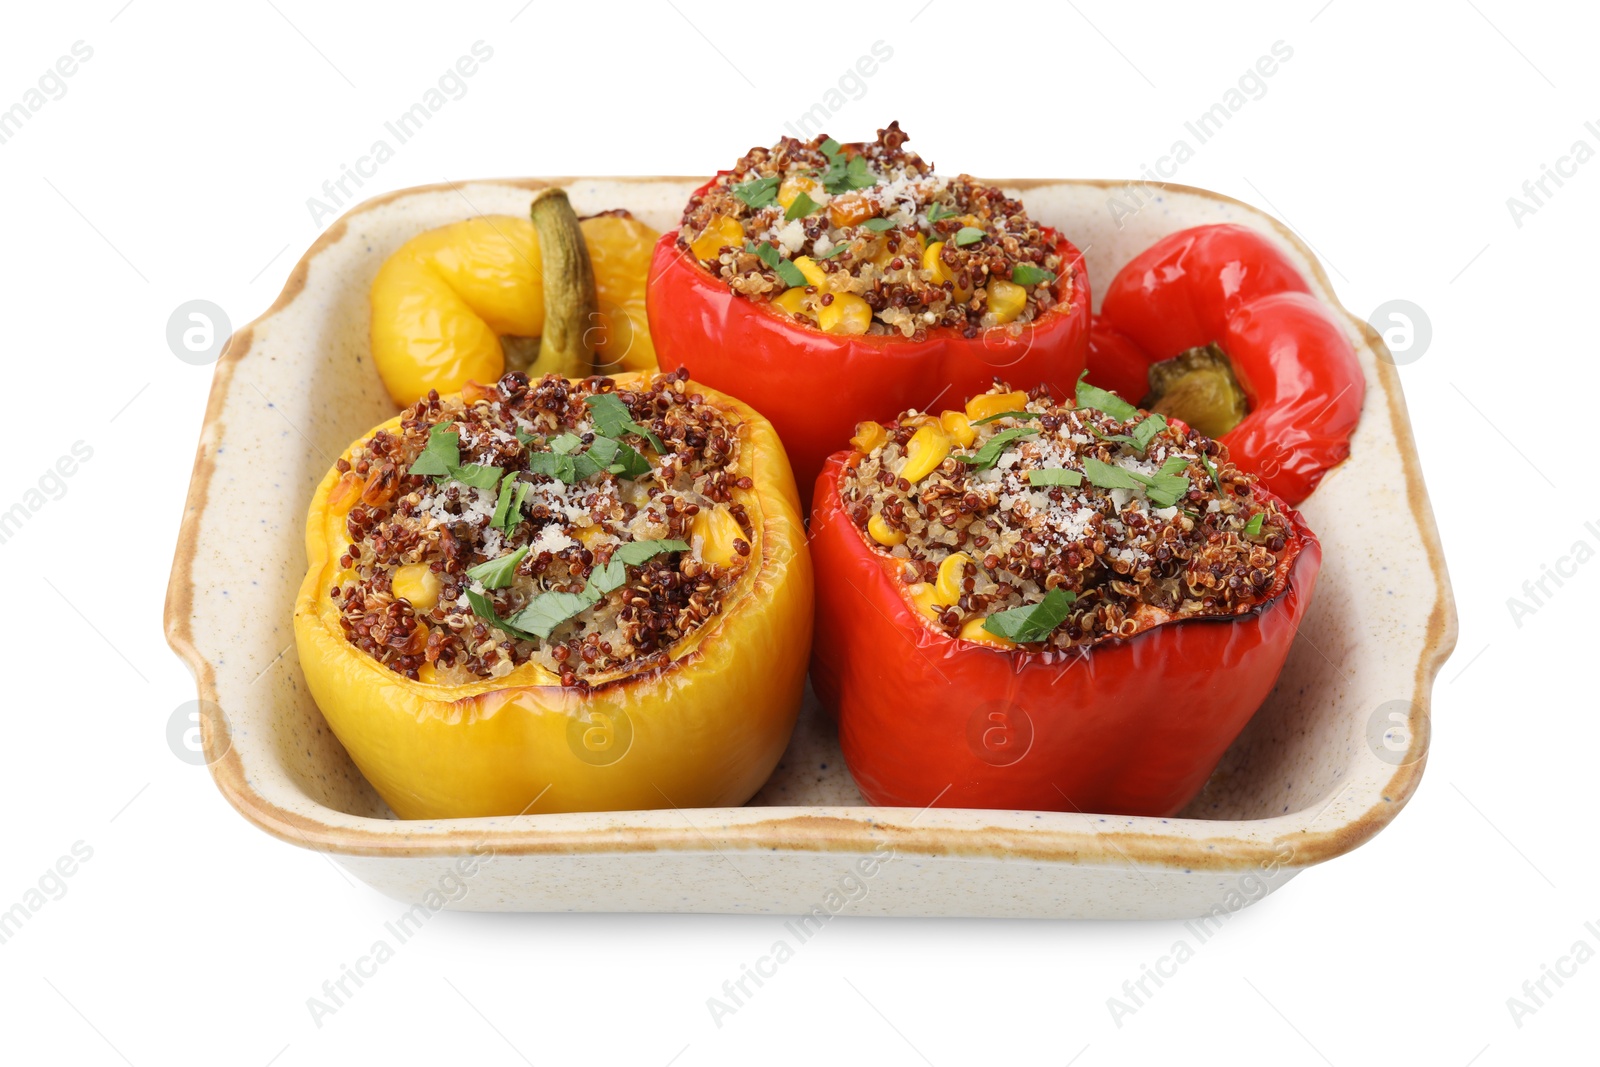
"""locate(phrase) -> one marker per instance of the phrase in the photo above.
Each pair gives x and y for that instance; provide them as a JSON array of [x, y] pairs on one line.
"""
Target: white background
[[177, 166]]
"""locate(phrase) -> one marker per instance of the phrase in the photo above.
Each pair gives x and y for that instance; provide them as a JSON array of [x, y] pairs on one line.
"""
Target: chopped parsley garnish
[[1028, 274], [768, 254], [441, 458], [554, 465], [613, 419], [508, 507], [636, 552], [1054, 476], [802, 206], [1163, 488], [1032, 622], [548, 610], [1216, 479], [1146, 431], [835, 250], [1006, 415], [989, 454], [759, 193], [1253, 527], [844, 175], [968, 235], [936, 212], [879, 225], [1092, 396], [566, 443], [829, 148], [497, 573]]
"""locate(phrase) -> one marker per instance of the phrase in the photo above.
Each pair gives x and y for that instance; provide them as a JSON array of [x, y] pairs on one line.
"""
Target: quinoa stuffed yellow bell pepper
[[559, 595], [468, 301]]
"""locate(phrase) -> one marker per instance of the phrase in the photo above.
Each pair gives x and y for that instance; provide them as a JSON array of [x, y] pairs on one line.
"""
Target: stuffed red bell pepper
[[824, 284], [1214, 325], [1029, 605]]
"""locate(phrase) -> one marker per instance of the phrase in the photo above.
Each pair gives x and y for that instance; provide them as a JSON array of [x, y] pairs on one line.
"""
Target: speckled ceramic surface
[[1333, 755]]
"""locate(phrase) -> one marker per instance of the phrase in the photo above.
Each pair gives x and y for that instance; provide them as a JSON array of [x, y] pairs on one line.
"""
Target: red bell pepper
[[1132, 726], [1228, 286], [814, 386]]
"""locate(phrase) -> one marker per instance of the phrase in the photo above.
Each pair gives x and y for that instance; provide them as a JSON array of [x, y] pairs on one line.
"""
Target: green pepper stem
[[570, 304], [1198, 387]]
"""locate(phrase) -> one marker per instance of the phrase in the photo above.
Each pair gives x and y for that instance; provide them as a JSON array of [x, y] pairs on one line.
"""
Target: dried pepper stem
[[570, 305]]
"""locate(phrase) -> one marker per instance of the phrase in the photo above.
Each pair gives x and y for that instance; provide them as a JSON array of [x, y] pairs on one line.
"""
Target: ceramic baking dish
[[1331, 757]]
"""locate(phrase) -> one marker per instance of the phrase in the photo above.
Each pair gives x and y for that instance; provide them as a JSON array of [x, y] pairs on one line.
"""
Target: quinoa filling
[[579, 525], [1021, 521], [867, 239]]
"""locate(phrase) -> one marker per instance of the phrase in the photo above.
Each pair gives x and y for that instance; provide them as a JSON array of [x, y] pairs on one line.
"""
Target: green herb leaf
[[844, 175], [1174, 465], [547, 611], [526, 438], [1108, 476], [1054, 476], [759, 193], [603, 580], [1216, 479], [829, 148], [968, 235], [989, 454], [842, 246], [566, 443], [1164, 490], [441, 454], [1253, 527], [879, 225], [636, 552], [477, 475], [1146, 431], [1028, 274], [802, 206], [498, 573], [554, 465], [613, 419], [1006, 415], [1092, 396], [1032, 622], [938, 212], [768, 254], [629, 463], [483, 608], [508, 507]]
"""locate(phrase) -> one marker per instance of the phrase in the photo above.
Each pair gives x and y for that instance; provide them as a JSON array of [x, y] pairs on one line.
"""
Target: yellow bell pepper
[[449, 303], [706, 729]]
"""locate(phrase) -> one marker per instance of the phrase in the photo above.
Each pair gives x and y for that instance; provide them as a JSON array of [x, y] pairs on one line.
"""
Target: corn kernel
[[924, 452], [973, 631], [1006, 299], [932, 262], [848, 314], [716, 528], [869, 435], [813, 271], [722, 232], [883, 533], [922, 596], [793, 301], [986, 404], [791, 189], [417, 583], [957, 425], [952, 572]]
